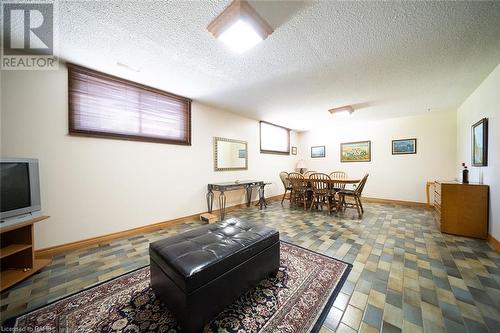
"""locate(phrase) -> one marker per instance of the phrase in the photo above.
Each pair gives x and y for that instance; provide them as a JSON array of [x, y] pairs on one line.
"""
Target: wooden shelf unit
[[462, 209], [17, 255]]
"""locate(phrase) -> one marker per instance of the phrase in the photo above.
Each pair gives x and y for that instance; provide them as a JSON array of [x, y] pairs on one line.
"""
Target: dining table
[[338, 181], [346, 181]]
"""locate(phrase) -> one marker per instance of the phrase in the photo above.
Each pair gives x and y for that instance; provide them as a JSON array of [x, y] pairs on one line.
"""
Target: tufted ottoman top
[[196, 257]]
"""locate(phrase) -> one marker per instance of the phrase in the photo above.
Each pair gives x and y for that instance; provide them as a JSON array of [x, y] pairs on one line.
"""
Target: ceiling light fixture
[[240, 27], [343, 110]]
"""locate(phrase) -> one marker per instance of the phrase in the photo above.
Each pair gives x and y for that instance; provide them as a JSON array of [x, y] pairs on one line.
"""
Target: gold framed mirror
[[230, 154]]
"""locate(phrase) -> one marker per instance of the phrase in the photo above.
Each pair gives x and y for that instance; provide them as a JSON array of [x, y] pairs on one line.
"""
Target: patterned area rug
[[295, 300]]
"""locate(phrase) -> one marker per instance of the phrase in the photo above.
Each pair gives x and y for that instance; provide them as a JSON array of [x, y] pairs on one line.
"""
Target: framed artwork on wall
[[318, 151], [480, 143], [359, 151], [294, 150], [404, 146]]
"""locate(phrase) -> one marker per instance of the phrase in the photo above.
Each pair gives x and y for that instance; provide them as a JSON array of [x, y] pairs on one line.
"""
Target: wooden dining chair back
[[299, 188], [286, 185], [356, 195], [321, 190], [319, 182], [308, 173], [338, 175], [359, 189]]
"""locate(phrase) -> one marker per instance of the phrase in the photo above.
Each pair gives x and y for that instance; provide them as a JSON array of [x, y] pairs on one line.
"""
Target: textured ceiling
[[387, 59]]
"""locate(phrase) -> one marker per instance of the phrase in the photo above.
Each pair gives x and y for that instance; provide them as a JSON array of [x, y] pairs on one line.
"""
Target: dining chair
[[299, 189], [308, 173], [321, 190], [338, 186], [355, 194], [286, 185], [338, 175]]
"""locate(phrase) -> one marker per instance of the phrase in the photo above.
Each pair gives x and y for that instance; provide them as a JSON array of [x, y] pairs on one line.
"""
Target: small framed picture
[[359, 151], [480, 143], [404, 146], [294, 150], [318, 151]]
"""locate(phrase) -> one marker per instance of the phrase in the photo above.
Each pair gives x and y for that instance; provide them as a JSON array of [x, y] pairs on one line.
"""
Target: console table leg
[[222, 205], [249, 195], [210, 200], [262, 199]]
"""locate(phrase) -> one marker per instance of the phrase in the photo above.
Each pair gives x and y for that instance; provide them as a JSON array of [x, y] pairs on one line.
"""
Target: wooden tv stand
[[17, 253]]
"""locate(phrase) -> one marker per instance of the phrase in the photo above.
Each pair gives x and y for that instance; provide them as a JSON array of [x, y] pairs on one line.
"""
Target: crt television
[[19, 187]]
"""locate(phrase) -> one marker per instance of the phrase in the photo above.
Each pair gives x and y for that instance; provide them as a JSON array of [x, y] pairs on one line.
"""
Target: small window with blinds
[[106, 106], [274, 139]]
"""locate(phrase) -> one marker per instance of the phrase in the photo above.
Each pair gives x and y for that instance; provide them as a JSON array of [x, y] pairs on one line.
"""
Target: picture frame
[[318, 151], [404, 146], [358, 151], [294, 150], [480, 143]]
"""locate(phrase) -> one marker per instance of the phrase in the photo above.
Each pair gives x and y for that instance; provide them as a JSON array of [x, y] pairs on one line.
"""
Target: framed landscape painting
[[318, 151], [359, 151], [480, 143], [404, 146]]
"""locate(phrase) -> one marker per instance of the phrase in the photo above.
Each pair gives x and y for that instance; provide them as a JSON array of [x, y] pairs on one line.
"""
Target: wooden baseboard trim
[[494, 243], [49, 252], [395, 202]]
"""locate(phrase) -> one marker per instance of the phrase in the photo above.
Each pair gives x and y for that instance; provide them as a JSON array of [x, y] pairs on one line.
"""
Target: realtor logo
[[28, 36]]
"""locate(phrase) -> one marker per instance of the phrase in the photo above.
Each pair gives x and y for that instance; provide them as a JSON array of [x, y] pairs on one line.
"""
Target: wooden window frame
[[277, 152], [130, 137]]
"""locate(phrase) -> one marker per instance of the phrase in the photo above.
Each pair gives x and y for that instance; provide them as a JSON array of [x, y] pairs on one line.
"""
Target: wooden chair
[[299, 189], [308, 173], [338, 175], [321, 190], [356, 195], [286, 184]]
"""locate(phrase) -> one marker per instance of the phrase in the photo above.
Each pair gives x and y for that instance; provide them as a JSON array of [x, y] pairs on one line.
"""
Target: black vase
[[465, 176]]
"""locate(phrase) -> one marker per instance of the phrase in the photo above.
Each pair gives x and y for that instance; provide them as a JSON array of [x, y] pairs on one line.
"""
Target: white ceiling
[[386, 59]]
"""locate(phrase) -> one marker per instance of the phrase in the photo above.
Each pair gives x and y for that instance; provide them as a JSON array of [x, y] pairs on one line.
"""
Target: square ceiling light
[[240, 27]]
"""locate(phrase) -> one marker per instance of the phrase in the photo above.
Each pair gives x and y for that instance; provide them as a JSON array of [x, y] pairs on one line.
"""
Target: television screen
[[15, 186]]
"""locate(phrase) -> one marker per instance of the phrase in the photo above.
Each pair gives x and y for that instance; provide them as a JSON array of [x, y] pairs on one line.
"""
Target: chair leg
[[361, 205], [357, 207], [339, 203], [312, 202], [283, 199], [305, 201]]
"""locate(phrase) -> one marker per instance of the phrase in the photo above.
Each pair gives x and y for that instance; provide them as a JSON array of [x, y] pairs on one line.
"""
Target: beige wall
[[484, 102], [398, 177], [91, 187]]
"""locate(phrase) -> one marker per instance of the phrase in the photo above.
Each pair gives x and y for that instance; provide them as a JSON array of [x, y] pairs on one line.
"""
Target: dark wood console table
[[248, 185]]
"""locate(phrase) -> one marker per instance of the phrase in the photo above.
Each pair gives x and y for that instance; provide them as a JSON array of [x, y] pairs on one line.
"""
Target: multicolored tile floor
[[407, 276]]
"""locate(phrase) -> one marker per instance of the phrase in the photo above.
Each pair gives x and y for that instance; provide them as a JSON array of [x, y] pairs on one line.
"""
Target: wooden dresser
[[462, 209]]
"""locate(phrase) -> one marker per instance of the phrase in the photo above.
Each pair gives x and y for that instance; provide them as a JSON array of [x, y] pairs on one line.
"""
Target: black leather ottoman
[[198, 273]]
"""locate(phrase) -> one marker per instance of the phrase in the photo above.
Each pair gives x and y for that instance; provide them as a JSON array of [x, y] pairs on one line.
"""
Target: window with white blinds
[[274, 139], [106, 106]]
